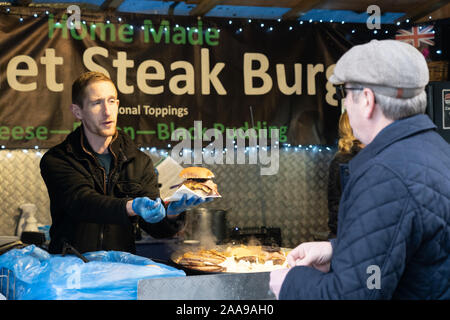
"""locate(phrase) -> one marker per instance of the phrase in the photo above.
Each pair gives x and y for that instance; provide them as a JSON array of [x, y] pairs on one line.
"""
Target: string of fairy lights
[[164, 152], [266, 24]]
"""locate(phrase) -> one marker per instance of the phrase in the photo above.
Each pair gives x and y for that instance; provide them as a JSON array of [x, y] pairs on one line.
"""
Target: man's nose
[[107, 108]]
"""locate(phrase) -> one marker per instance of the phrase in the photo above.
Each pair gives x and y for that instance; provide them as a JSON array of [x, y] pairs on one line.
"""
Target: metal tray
[[224, 286]]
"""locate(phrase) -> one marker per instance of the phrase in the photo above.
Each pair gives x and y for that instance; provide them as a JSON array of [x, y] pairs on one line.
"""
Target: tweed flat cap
[[391, 67]]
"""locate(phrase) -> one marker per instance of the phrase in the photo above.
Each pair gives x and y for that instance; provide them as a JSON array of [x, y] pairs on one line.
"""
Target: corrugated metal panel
[[294, 200]]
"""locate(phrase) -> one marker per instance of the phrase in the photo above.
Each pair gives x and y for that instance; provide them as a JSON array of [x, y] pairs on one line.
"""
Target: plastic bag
[[109, 275]]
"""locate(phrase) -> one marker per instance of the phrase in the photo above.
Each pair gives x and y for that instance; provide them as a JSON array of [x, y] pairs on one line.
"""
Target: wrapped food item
[[198, 181]]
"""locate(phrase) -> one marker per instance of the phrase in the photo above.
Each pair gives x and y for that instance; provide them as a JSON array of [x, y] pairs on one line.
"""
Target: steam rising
[[198, 227], [205, 235]]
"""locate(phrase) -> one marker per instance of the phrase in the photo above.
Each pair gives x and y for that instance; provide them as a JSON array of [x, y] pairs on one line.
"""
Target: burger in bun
[[199, 180]]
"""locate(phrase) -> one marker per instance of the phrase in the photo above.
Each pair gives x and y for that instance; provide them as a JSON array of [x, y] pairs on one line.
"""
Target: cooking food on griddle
[[199, 180], [205, 260], [257, 254], [235, 259]]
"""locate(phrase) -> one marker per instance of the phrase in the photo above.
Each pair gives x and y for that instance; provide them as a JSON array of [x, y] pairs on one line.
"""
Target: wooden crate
[[438, 70]]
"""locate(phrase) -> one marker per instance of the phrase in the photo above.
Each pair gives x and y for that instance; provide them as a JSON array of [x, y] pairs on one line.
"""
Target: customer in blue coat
[[393, 239]]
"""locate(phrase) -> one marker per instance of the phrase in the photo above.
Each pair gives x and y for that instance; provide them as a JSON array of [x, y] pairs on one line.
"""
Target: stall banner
[[170, 71]]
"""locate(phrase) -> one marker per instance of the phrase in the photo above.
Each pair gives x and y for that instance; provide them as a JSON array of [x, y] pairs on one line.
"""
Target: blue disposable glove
[[151, 211], [177, 207]]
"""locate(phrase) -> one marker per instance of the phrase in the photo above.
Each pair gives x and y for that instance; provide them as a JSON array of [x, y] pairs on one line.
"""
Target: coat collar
[[121, 145], [398, 130]]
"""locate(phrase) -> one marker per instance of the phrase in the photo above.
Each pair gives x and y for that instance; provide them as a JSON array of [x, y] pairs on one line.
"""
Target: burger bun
[[196, 173]]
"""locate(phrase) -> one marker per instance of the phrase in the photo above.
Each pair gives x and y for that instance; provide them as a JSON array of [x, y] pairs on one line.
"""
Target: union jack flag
[[415, 36]]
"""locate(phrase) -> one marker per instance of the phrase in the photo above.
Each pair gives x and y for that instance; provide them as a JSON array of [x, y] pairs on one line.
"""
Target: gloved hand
[[276, 280], [151, 211], [313, 254], [176, 207]]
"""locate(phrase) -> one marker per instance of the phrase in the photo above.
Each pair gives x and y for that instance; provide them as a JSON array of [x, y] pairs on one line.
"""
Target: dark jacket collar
[[394, 132], [121, 145]]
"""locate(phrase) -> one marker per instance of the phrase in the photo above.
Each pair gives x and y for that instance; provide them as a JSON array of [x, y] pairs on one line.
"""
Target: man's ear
[[369, 106], [76, 110]]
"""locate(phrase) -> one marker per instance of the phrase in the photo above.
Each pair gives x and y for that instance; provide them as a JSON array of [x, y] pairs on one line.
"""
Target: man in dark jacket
[[101, 187], [393, 239]]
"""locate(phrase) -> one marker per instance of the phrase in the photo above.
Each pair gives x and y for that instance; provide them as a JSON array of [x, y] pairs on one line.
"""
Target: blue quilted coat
[[393, 238]]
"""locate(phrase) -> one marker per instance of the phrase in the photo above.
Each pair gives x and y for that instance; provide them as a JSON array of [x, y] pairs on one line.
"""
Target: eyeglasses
[[341, 90]]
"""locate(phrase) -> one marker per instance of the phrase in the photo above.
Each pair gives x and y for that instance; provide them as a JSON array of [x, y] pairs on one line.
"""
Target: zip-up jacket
[[88, 208]]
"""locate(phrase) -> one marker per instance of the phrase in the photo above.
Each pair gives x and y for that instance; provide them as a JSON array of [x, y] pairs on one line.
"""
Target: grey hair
[[396, 108]]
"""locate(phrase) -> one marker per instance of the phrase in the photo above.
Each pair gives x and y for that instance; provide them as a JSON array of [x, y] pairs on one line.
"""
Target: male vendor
[[101, 186]]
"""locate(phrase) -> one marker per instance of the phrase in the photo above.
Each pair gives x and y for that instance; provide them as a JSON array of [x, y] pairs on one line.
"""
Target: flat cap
[[384, 65]]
